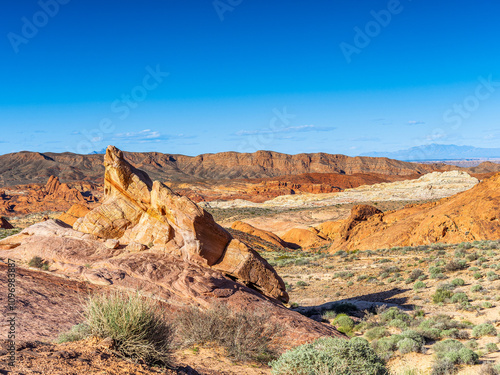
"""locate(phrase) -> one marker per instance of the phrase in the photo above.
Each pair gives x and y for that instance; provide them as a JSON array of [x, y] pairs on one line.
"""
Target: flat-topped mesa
[[135, 209]]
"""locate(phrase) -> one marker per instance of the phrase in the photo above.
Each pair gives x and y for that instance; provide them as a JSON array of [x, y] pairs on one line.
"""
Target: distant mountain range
[[436, 152], [100, 152]]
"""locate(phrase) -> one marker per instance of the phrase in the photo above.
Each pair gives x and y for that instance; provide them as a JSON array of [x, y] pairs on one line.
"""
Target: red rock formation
[[304, 238], [4, 224], [137, 210], [471, 215], [263, 234], [74, 213]]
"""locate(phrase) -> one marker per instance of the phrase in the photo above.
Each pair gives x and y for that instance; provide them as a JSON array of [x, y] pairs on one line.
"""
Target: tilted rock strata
[[263, 234], [74, 213], [179, 283], [138, 210]]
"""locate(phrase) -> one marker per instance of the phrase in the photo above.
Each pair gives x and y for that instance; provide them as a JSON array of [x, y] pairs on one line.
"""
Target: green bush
[[441, 295], [344, 323], [333, 356], [492, 276], [246, 334], [458, 282], [450, 353], [484, 329], [491, 347], [376, 333], [476, 288], [407, 345], [38, 262], [136, 324], [459, 298], [419, 285], [455, 265]]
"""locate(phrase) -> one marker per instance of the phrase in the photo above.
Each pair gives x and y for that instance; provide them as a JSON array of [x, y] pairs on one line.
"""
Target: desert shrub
[[76, 333], [472, 257], [38, 262], [436, 272], [301, 283], [376, 333], [136, 324], [477, 275], [492, 276], [484, 329], [419, 285], [407, 345], [344, 323], [446, 286], [430, 333], [246, 334], [486, 305], [450, 353], [455, 265], [464, 245], [393, 313], [459, 298], [386, 346], [491, 347], [411, 341], [415, 274], [441, 295], [329, 315], [333, 356], [476, 288], [458, 282]]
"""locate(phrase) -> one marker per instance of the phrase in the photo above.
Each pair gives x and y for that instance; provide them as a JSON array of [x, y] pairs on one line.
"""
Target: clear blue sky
[[290, 76]]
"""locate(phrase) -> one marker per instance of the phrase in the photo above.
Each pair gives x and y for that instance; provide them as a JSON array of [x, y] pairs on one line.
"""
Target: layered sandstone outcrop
[[177, 282], [262, 234], [304, 238], [138, 210], [467, 216], [76, 211]]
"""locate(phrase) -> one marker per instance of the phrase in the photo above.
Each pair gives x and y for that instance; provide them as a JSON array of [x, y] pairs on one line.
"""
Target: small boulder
[[135, 247], [112, 243]]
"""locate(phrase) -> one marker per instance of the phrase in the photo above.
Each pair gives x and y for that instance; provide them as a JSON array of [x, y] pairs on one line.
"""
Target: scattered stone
[[132, 247], [113, 244]]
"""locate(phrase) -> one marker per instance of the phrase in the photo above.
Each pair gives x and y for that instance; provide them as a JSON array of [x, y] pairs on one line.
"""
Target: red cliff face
[[29, 167]]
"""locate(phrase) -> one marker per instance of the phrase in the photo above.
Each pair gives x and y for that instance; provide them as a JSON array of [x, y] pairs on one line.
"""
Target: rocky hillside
[[467, 216], [30, 167]]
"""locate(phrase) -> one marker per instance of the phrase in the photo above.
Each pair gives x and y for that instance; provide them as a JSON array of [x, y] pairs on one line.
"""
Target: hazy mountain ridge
[[439, 152]]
